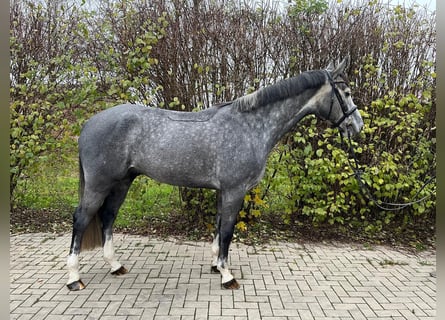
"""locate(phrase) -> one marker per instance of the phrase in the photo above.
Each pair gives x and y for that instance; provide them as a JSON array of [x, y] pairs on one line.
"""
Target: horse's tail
[[92, 237]]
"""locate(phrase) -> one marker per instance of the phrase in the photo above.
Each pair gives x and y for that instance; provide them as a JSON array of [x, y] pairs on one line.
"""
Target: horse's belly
[[182, 170], [184, 178]]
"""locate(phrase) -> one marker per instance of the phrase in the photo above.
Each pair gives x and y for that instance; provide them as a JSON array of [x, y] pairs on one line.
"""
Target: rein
[[386, 206]]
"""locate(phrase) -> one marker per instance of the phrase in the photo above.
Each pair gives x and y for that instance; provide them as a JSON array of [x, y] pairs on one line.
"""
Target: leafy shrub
[[31, 135], [251, 210], [53, 91], [172, 54], [396, 150]]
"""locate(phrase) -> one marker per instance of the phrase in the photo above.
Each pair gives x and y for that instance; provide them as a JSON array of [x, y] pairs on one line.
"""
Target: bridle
[[335, 92]]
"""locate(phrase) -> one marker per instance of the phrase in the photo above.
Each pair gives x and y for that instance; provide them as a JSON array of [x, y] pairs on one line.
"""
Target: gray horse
[[224, 148]]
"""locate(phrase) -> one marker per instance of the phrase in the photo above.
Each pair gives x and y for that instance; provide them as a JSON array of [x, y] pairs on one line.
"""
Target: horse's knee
[[226, 236]]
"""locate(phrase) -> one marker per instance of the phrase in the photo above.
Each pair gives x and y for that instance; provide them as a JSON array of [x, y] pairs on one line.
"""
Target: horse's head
[[340, 110]]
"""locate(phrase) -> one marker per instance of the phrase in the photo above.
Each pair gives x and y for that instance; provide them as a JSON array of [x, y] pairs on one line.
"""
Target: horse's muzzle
[[353, 124]]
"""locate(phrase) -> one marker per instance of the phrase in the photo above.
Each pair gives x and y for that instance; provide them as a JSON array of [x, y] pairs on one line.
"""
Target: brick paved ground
[[172, 280]]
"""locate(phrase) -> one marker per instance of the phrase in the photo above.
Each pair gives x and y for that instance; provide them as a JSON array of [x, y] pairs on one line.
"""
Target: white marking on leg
[[226, 276], [215, 251], [73, 268], [109, 255]]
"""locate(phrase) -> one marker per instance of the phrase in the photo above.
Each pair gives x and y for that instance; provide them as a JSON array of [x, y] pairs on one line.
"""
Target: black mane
[[281, 90]]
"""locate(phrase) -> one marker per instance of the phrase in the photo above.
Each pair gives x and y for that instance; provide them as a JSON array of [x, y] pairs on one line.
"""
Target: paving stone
[[171, 279]]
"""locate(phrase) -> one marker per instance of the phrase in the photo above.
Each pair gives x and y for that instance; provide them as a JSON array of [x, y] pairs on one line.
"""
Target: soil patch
[[270, 228]]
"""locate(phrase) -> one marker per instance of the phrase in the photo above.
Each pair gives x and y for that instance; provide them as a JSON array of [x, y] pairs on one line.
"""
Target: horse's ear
[[330, 67], [341, 67]]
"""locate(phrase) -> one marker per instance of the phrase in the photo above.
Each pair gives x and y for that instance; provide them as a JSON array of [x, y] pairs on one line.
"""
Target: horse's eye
[[347, 94]]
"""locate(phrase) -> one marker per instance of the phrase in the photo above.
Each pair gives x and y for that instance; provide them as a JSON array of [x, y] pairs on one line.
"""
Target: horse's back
[[148, 141], [181, 151], [200, 116]]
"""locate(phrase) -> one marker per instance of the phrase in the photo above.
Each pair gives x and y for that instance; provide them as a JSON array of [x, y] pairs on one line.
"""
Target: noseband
[[344, 108]]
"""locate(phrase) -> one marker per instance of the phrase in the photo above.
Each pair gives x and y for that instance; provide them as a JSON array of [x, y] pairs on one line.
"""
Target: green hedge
[[133, 51], [311, 174]]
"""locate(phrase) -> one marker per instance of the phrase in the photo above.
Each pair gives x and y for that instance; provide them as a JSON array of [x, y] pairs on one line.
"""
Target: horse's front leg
[[215, 243], [229, 204]]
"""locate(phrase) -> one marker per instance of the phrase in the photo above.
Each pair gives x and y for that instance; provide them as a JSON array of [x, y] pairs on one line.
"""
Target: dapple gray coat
[[224, 148]]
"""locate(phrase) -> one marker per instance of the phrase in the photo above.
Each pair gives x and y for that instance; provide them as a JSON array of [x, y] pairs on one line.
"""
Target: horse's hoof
[[120, 271], [214, 269], [232, 284], [76, 285]]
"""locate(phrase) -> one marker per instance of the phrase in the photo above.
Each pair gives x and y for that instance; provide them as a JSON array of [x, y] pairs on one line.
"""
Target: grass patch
[[147, 198], [49, 184], [388, 262], [52, 186]]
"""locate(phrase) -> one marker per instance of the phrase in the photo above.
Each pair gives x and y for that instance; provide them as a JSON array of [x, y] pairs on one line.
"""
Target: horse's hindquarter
[[106, 143]]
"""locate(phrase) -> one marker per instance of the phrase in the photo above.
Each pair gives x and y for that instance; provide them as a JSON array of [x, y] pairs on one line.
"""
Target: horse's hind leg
[[108, 214], [82, 218], [92, 206]]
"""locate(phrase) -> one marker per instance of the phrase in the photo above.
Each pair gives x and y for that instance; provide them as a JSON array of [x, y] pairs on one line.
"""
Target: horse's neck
[[280, 117]]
